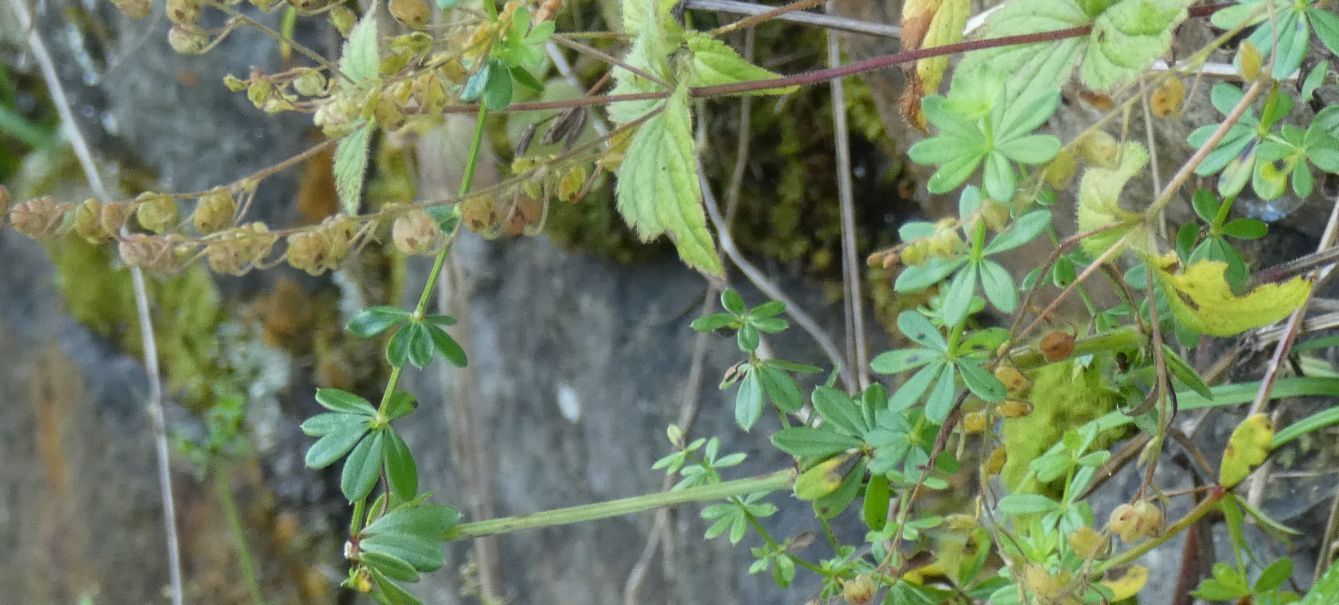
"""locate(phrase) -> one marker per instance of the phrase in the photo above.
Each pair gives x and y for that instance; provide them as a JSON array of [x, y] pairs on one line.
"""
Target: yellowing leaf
[[350, 165], [925, 24], [1246, 449], [1099, 203], [1201, 300], [821, 479], [658, 187], [715, 63], [1127, 585]]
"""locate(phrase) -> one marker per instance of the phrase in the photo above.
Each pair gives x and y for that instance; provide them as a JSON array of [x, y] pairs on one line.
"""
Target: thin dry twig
[[83, 151], [801, 17]]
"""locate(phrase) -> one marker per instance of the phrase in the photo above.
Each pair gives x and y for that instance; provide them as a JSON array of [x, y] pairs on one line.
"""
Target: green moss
[[1064, 396], [186, 313]]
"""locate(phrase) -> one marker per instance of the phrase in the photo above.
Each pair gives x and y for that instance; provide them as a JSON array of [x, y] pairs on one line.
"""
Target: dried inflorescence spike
[[416, 232], [214, 211], [322, 249], [39, 218], [236, 250], [156, 212], [153, 252]]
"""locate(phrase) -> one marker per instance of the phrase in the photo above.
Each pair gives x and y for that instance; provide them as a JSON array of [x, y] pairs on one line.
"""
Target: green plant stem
[[1123, 338], [616, 508], [234, 520], [1129, 556]]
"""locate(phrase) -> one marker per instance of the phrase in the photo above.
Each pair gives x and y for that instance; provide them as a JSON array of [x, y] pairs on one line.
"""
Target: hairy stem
[[616, 508]]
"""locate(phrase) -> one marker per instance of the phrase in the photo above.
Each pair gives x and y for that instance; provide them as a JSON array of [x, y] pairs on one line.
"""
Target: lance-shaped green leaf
[[350, 166], [658, 188], [715, 63], [360, 58]]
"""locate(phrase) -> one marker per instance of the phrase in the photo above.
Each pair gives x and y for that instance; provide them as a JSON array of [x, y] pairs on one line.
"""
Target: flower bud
[[214, 211], [188, 39], [156, 212], [39, 218], [415, 232]]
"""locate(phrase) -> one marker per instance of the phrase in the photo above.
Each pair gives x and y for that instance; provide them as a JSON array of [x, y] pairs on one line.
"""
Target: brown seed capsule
[[39, 218], [1014, 381], [1056, 345], [188, 39], [995, 462], [234, 251], [1013, 408], [415, 232], [309, 251], [339, 230], [113, 216], [183, 12], [214, 211], [859, 590], [88, 222], [479, 214], [413, 14], [156, 212], [135, 9], [974, 422]]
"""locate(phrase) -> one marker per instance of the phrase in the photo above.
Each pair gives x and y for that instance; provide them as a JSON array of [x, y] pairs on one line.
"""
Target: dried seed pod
[[1124, 522], [859, 590], [309, 251], [571, 183], [135, 9], [413, 14], [479, 213], [114, 216], [153, 252], [1087, 542], [415, 232], [183, 12], [88, 222], [995, 462], [214, 211], [1057, 345], [1099, 148], [39, 218], [188, 39], [236, 250], [1166, 99], [156, 212], [340, 231], [1013, 408], [310, 84], [1014, 381]]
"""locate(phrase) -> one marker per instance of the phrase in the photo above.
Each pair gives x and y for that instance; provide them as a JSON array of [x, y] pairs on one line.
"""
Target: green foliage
[[1285, 25], [940, 365], [1063, 395]]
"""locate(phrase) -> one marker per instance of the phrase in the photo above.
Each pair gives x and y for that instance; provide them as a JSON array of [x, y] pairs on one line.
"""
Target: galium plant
[[1030, 415]]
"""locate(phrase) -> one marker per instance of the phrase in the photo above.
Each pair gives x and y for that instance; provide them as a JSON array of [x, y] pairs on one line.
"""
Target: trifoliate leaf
[[360, 58], [928, 23], [1246, 449], [1202, 300], [350, 165], [1127, 37], [1099, 203], [658, 187], [715, 63]]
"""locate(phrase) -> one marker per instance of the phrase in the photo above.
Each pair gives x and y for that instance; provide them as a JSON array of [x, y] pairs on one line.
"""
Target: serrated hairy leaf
[[715, 63], [351, 165], [658, 188], [360, 58]]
